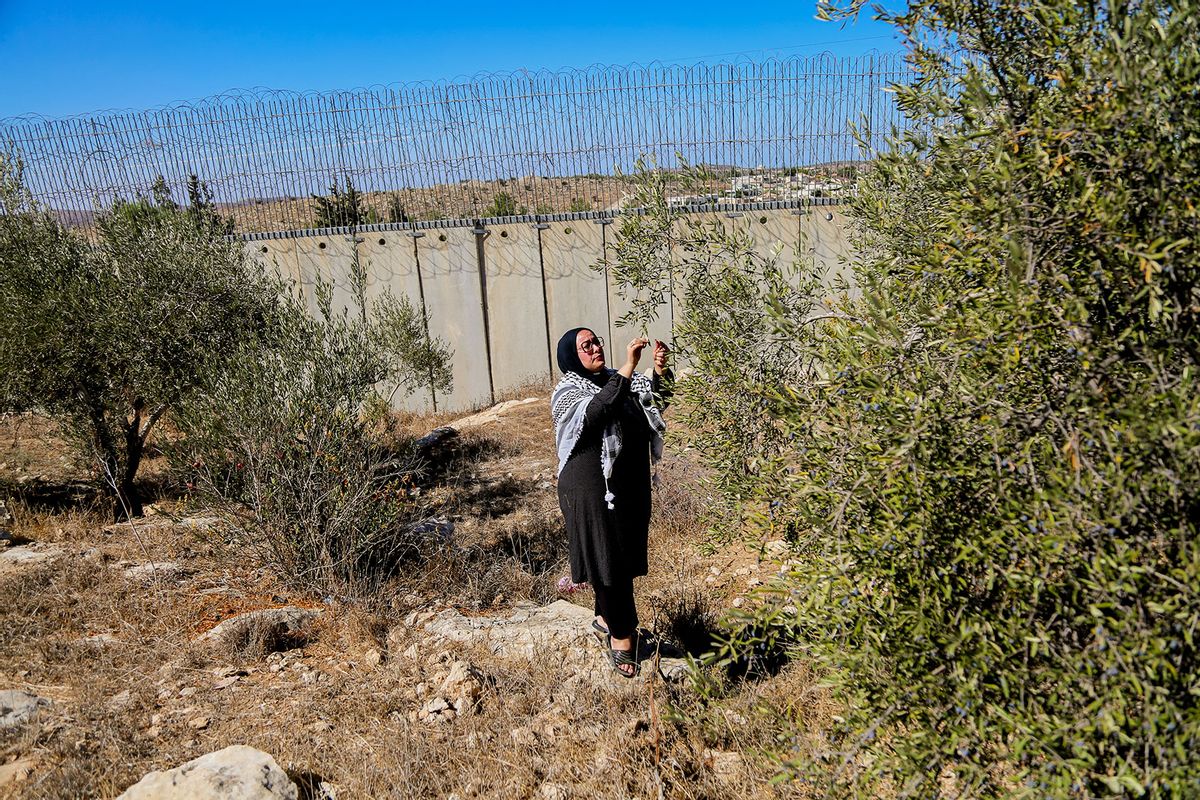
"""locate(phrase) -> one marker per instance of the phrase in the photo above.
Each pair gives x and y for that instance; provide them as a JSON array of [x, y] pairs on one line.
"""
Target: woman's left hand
[[661, 351]]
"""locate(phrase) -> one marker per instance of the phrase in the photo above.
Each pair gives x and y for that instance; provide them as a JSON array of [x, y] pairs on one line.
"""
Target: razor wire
[[522, 143]]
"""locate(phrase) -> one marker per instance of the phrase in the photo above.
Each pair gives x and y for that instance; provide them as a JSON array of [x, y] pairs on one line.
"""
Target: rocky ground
[[160, 653]]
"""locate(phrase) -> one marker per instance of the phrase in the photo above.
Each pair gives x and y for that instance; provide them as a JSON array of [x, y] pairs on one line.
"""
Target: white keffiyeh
[[567, 404]]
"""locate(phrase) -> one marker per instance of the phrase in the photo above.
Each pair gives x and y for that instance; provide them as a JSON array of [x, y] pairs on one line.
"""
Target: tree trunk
[[129, 499], [107, 452]]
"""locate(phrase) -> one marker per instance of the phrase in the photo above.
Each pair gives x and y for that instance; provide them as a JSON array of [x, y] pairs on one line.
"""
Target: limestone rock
[[492, 414], [99, 640], [18, 707], [456, 692], [777, 548], [522, 633], [554, 791], [434, 445], [152, 571], [276, 623], [235, 773], [17, 559], [159, 521], [16, 771], [438, 528], [560, 626], [372, 658], [725, 765]]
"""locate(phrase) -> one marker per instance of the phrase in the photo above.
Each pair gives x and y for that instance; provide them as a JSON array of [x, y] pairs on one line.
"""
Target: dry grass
[[152, 698]]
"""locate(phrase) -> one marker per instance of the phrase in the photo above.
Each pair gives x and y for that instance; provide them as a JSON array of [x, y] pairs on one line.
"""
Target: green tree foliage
[[152, 210], [723, 287], [989, 475], [108, 336], [503, 205], [341, 208], [296, 444], [395, 209]]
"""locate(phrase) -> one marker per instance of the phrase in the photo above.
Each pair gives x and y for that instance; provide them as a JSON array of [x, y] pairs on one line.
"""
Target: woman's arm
[[600, 408]]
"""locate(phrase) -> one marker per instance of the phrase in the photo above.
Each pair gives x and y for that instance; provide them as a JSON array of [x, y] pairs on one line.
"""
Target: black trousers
[[616, 605]]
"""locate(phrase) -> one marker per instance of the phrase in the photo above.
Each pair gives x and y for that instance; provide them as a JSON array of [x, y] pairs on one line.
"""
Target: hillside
[[155, 643]]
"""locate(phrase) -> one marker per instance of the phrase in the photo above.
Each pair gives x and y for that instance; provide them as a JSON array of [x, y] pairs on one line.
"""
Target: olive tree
[[989, 478], [297, 445], [108, 335]]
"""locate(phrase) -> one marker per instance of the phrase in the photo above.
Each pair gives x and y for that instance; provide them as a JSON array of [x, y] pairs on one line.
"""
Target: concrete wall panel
[[330, 258], [775, 234], [450, 269], [390, 260], [278, 255], [518, 313], [576, 294], [823, 231], [516, 307]]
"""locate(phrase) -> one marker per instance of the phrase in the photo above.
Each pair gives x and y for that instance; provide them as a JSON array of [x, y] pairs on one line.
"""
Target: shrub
[[343, 208], [296, 442], [723, 337], [503, 205], [107, 336], [990, 468]]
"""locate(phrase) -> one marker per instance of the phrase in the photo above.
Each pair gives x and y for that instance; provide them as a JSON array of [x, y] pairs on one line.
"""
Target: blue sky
[[63, 58]]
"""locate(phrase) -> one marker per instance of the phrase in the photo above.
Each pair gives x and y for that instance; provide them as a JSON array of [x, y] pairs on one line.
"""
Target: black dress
[[608, 546]]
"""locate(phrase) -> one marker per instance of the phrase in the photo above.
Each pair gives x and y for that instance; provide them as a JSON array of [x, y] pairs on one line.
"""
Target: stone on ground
[[18, 559], [561, 627], [235, 773], [267, 622], [18, 707], [16, 771], [152, 571], [455, 692], [522, 633], [492, 414]]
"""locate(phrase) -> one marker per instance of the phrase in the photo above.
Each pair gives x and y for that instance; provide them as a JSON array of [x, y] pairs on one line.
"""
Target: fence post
[[482, 233]]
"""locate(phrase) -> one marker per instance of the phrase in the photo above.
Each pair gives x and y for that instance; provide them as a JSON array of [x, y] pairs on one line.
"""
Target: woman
[[608, 427]]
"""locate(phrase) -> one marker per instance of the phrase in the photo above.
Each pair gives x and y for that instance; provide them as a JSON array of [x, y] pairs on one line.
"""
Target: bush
[[990, 471], [344, 208], [297, 444], [503, 205], [733, 350], [108, 336]]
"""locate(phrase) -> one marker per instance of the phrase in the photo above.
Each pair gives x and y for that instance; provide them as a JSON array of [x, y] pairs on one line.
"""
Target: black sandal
[[623, 658], [647, 643]]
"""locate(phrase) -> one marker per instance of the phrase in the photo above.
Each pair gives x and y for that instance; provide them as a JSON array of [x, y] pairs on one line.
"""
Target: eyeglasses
[[592, 344]]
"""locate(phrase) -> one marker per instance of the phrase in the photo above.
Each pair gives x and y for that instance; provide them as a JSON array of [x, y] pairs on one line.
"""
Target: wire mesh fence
[[537, 143]]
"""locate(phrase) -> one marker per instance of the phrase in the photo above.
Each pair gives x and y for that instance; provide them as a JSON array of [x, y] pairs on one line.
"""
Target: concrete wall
[[502, 294]]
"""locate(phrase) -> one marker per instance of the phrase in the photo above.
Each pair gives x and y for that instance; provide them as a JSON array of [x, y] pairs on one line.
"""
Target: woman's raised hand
[[661, 351], [633, 354]]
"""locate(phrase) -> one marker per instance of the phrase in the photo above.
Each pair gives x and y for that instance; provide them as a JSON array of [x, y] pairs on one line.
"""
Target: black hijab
[[568, 357]]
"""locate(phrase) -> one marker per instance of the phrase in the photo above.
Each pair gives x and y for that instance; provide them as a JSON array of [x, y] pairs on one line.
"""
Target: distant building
[[686, 200], [746, 185]]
